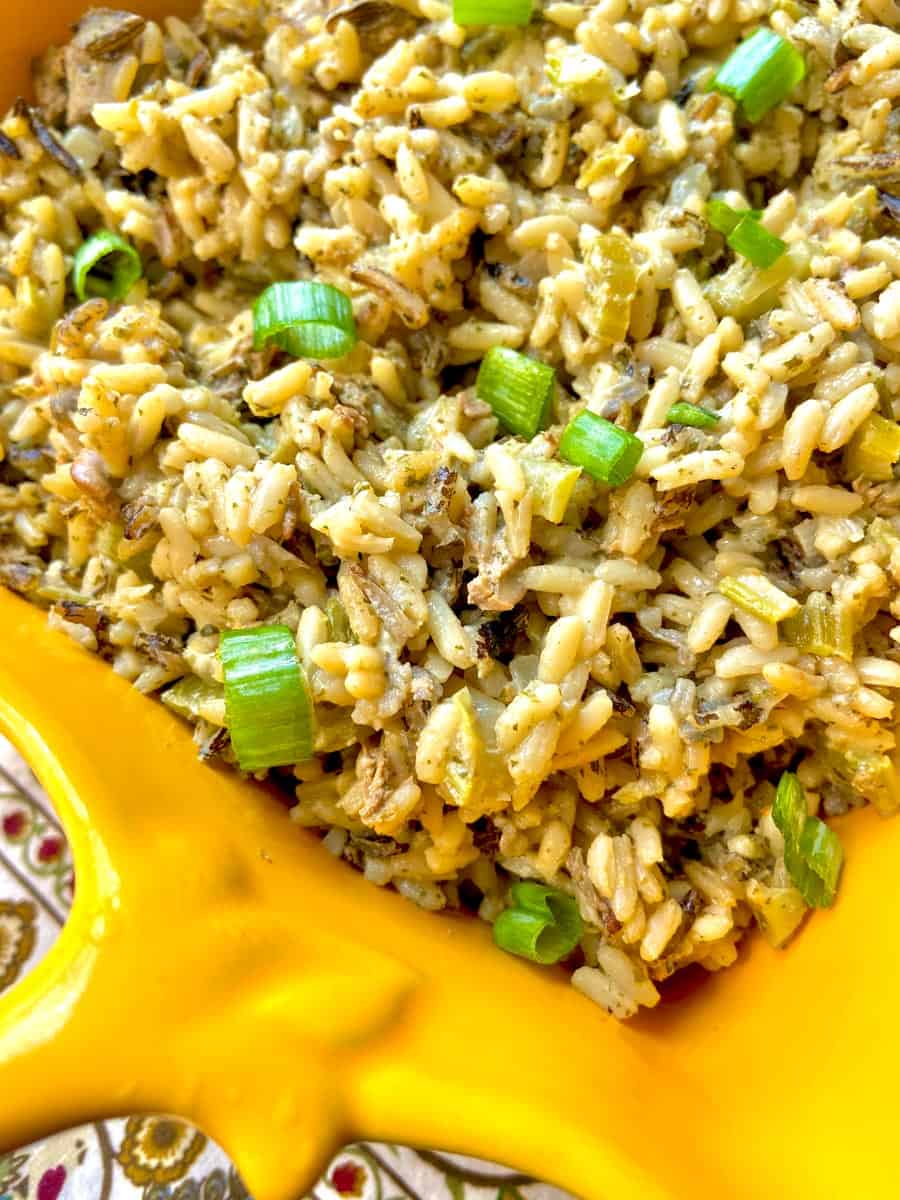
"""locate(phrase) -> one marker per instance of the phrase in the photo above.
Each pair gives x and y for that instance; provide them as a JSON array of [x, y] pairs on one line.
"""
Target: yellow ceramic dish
[[286, 1005]]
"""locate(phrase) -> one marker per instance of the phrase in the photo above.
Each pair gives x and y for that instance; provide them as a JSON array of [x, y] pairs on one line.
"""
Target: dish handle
[[222, 967], [201, 972]]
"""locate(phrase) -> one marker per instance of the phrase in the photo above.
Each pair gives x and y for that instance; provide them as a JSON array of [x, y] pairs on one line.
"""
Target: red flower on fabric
[[15, 823], [50, 849], [348, 1179], [51, 1183]]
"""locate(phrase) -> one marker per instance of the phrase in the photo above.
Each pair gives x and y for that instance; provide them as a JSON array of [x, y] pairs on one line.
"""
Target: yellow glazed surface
[[285, 1005]]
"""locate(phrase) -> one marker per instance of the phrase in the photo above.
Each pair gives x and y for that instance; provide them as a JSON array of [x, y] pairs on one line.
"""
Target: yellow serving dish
[[220, 965]]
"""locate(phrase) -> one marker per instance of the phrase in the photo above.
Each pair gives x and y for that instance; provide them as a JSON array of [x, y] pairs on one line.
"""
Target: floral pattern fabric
[[159, 1157]]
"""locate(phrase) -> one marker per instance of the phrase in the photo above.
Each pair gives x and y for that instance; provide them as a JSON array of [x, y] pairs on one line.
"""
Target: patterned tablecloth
[[159, 1158]]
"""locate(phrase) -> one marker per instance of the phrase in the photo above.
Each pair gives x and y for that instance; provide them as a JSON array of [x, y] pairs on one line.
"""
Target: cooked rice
[[161, 481]]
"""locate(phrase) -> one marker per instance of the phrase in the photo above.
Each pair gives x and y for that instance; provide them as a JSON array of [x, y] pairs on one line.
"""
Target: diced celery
[[335, 730], [108, 537], [756, 594], [873, 450], [611, 270], [606, 162], [263, 437], [54, 593], [338, 621], [865, 206], [869, 774], [551, 485], [190, 695], [821, 627], [581, 76], [137, 557], [745, 291], [791, 7], [778, 910], [271, 439], [474, 778], [465, 760], [490, 779]]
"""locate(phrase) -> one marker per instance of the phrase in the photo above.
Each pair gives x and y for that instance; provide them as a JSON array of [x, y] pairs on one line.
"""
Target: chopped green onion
[[755, 593], [820, 848], [519, 389], [307, 319], [542, 925], [491, 12], [873, 450], [744, 233], [105, 265], [760, 73], [753, 241], [821, 627], [267, 700], [551, 486], [813, 853], [683, 413], [789, 812], [607, 452], [724, 218]]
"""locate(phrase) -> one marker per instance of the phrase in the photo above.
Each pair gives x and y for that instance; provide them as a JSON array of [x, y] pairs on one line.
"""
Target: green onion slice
[[542, 924], [519, 389], [338, 621], [683, 413], [491, 12], [105, 265], [744, 233], [813, 853], [753, 241], [724, 218], [789, 812], [760, 73], [268, 705], [607, 452], [307, 319]]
